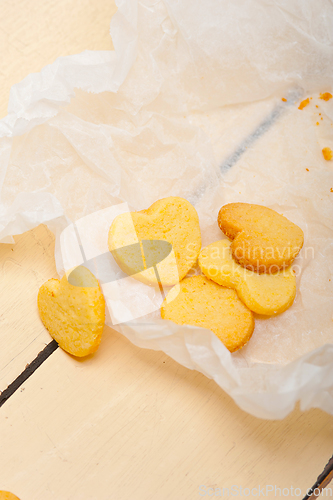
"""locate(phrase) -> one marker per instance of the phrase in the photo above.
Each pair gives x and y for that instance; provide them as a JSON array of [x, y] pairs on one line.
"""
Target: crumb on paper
[[331, 190], [307, 169], [326, 96], [317, 123], [328, 154], [304, 103], [284, 99]]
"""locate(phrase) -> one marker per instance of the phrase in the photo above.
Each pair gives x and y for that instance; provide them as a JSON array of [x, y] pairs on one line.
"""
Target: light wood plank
[[23, 268], [131, 423], [33, 33]]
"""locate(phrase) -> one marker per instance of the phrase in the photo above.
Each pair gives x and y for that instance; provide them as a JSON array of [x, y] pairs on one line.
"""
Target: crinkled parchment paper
[[189, 105]]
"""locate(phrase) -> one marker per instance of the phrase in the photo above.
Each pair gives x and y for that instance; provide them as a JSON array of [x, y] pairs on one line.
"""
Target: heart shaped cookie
[[263, 240], [199, 301], [6, 495], [262, 293], [73, 311], [173, 220]]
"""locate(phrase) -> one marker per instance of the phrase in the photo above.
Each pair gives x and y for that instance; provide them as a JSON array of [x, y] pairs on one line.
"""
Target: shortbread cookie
[[199, 301], [171, 220], [263, 240], [73, 311], [262, 293], [6, 495]]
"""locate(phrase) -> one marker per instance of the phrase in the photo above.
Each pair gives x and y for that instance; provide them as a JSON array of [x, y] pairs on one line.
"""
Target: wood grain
[[126, 423], [131, 423], [24, 267], [33, 33]]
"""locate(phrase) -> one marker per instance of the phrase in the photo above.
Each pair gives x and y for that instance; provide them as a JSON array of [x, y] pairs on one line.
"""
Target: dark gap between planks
[[322, 481], [29, 370]]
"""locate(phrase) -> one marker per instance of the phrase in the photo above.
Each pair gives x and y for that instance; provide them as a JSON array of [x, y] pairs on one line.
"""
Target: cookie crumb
[[317, 123], [304, 103], [326, 96], [327, 152], [307, 169], [284, 99]]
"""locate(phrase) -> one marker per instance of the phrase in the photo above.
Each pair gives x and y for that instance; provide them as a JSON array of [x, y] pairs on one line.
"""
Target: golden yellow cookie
[[73, 311], [199, 301], [6, 495], [262, 293], [172, 221], [263, 240]]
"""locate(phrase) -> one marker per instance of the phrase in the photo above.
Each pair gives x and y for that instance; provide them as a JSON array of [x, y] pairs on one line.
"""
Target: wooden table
[[127, 423]]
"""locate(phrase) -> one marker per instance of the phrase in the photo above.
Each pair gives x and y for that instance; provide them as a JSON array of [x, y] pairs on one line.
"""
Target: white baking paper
[[190, 104]]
